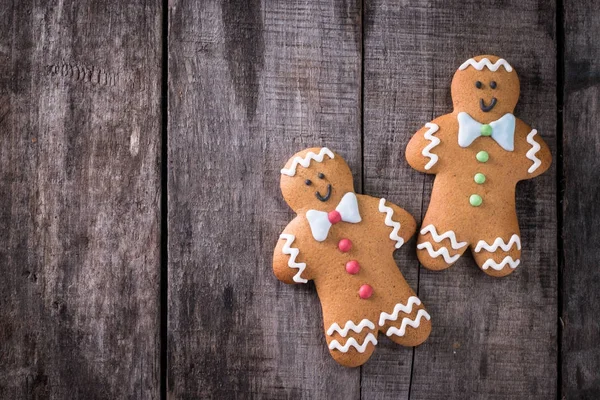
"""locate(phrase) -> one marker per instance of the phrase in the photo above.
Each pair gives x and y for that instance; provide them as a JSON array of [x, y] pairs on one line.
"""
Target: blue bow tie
[[320, 221], [502, 130]]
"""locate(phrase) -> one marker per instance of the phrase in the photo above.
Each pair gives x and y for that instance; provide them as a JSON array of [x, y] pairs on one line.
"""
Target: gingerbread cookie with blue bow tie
[[478, 153], [344, 242]]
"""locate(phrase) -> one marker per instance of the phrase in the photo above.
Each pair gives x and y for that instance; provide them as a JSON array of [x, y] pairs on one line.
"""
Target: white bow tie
[[502, 130], [320, 221]]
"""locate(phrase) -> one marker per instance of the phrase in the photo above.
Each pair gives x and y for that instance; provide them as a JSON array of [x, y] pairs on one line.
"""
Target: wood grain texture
[[250, 84], [581, 298], [491, 338], [79, 184], [393, 99]]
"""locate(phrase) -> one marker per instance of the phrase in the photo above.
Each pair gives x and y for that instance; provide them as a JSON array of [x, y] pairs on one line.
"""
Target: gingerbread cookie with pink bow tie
[[344, 242], [478, 153]]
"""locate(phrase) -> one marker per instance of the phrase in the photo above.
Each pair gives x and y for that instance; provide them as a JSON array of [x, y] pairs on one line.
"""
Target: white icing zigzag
[[293, 253], [407, 309], [392, 224], [350, 326], [507, 260], [407, 321], [446, 235], [306, 160], [485, 62], [535, 147], [370, 338], [433, 128], [436, 253], [499, 242]]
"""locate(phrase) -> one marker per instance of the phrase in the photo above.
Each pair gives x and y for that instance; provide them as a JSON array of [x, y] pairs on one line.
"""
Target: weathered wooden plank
[[249, 85], [491, 338], [580, 274], [79, 184], [391, 49]]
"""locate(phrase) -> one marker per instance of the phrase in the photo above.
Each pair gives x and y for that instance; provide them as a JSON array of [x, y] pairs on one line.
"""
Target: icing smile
[[327, 196], [485, 108]]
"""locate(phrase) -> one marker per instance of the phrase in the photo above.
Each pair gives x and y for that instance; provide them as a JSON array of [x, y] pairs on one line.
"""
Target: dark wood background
[[140, 144]]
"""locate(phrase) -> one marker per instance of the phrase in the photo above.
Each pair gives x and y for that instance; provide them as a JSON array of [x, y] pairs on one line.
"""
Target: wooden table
[[141, 143]]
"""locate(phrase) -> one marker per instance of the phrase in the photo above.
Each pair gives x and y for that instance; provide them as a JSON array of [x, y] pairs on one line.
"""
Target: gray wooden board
[[581, 276], [79, 184], [393, 99], [249, 85], [492, 338]]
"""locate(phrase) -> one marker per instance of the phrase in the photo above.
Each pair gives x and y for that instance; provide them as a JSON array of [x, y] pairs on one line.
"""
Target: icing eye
[[308, 182], [321, 175], [493, 84], [478, 85]]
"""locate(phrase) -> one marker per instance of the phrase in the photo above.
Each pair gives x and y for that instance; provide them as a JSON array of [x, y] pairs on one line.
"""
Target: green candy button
[[482, 156], [486, 130], [475, 200], [479, 178]]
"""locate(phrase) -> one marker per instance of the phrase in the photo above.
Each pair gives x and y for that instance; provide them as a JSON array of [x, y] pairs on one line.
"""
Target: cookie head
[[315, 179], [485, 87]]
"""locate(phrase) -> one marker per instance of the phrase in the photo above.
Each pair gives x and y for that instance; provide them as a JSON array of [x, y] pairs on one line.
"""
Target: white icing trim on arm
[[442, 251], [498, 266], [370, 338], [350, 326], [291, 171], [293, 253], [433, 128], [499, 242], [485, 62], [446, 235], [407, 309], [535, 147], [408, 322], [392, 224]]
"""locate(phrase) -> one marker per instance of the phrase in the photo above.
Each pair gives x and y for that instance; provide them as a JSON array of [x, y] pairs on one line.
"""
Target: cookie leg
[[498, 256], [437, 248], [351, 343], [406, 323]]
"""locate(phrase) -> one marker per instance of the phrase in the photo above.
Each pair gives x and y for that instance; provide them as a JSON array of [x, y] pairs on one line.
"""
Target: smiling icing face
[[485, 87], [315, 179]]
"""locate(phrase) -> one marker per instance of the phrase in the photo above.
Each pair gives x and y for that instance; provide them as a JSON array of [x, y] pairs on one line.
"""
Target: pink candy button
[[334, 217], [345, 245], [352, 267], [365, 291]]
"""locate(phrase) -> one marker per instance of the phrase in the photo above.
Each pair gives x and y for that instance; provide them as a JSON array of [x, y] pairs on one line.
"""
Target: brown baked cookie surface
[[344, 242], [478, 153]]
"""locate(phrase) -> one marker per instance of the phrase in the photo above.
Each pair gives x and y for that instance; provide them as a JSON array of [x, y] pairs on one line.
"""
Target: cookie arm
[[288, 264], [534, 152], [421, 152], [402, 225]]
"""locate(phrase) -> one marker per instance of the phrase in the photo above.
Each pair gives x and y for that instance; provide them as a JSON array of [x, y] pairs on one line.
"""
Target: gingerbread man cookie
[[344, 242], [478, 153]]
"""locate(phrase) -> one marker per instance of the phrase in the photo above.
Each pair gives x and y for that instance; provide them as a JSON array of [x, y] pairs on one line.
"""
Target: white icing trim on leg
[[433, 128], [436, 253], [408, 322], [370, 338], [498, 266], [350, 326], [392, 224], [407, 309], [535, 147], [446, 235], [293, 253], [499, 242]]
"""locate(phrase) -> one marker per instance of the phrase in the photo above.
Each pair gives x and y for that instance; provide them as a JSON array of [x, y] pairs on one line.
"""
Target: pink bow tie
[[320, 221]]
